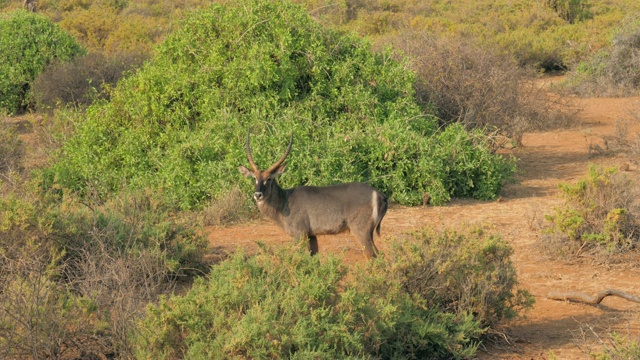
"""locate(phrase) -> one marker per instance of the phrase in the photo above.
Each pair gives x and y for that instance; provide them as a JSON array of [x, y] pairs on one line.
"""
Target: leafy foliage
[[178, 124], [287, 304], [599, 212], [28, 43], [433, 296]]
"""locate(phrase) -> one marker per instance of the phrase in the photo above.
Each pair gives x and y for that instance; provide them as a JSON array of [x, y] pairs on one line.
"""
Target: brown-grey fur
[[308, 211]]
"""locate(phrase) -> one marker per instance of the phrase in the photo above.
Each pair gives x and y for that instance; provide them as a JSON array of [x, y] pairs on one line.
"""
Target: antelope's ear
[[279, 171], [246, 172]]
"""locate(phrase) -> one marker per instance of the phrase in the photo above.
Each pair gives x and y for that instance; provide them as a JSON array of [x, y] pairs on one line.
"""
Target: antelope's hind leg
[[313, 245], [366, 239]]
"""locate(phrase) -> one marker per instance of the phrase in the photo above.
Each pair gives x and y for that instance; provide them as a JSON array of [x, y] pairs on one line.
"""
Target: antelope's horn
[[247, 147], [275, 166]]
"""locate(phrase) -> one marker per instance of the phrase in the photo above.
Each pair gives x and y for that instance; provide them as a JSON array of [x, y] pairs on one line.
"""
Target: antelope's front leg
[[310, 240]]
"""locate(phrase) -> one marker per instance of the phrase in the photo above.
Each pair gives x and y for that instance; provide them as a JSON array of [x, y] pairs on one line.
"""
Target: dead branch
[[585, 298]]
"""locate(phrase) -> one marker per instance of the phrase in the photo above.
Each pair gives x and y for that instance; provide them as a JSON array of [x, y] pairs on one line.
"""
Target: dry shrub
[[120, 284], [618, 347], [75, 308], [227, 209], [621, 141], [571, 11], [82, 80], [468, 271], [477, 87], [39, 317], [623, 65], [79, 291]]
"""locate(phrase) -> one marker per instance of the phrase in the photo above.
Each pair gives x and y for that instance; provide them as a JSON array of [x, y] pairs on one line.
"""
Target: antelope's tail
[[381, 210]]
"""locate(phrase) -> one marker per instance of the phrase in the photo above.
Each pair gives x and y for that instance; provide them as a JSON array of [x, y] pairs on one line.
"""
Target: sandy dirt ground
[[552, 329]]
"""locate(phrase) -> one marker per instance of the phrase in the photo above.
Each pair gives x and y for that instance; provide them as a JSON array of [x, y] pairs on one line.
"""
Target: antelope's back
[[330, 209]]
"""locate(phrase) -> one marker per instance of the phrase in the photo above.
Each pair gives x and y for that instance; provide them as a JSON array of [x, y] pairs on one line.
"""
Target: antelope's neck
[[275, 206]]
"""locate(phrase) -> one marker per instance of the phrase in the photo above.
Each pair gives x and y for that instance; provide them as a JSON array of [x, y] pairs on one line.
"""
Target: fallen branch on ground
[[585, 298]]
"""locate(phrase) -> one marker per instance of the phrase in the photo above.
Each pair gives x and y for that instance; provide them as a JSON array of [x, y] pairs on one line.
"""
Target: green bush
[[179, 124], [432, 296], [598, 213], [28, 43], [288, 304]]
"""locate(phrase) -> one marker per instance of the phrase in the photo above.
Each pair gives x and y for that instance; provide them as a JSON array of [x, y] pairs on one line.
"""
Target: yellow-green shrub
[[598, 212]]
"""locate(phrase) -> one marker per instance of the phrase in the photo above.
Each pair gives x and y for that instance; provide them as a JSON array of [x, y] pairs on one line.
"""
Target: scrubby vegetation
[[545, 34], [619, 347], [549, 34], [146, 154], [600, 212], [11, 154], [613, 71], [114, 26], [433, 297], [75, 277]]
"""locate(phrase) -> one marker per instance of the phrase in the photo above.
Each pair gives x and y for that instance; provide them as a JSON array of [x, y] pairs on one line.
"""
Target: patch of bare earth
[[552, 328]]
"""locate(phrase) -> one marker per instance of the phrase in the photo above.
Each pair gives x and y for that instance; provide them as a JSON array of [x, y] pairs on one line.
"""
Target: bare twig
[[585, 298]]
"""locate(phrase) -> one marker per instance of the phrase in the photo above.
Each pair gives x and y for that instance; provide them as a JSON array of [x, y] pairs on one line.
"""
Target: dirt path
[[552, 328]]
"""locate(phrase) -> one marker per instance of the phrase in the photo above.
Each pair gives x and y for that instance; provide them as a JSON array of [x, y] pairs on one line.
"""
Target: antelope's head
[[265, 180]]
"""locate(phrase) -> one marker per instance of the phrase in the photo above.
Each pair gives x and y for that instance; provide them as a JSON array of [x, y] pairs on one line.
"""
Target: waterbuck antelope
[[307, 211]]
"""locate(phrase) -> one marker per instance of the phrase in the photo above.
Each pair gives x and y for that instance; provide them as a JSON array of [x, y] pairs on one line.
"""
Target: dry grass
[[227, 209], [82, 80]]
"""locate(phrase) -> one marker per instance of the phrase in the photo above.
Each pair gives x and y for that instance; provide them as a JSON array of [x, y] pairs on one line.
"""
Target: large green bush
[[28, 43], [178, 125]]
